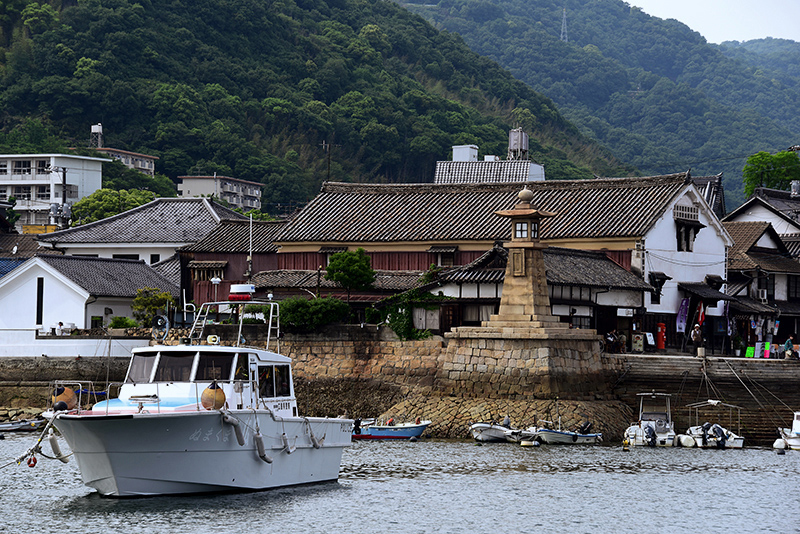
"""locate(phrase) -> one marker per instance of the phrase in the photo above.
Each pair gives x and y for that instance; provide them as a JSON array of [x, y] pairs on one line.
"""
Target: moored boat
[[712, 436], [566, 437], [23, 425], [391, 430], [201, 417], [491, 431], [790, 437], [655, 427]]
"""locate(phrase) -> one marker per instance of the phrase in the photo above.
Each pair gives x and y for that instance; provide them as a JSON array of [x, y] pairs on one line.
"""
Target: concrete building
[[237, 193], [46, 185]]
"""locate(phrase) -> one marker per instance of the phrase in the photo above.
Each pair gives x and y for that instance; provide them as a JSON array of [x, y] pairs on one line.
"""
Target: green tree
[[107, 202], [149, 302], [305, 316], [352, 270], [775, 171]]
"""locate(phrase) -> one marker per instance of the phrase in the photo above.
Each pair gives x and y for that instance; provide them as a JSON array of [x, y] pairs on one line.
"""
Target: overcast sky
[[730, 20]]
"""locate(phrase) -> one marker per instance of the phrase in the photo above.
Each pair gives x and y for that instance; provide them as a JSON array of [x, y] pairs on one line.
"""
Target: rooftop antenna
[[564, 36]]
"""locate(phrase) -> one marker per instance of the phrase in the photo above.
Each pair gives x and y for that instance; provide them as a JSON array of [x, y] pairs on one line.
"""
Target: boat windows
[[174, 367], [282, 380], [214, 366], [141, 367], [273, 381], [242, 372]]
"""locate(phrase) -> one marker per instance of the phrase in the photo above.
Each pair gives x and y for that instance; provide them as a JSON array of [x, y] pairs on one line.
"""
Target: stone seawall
[[368, 372]]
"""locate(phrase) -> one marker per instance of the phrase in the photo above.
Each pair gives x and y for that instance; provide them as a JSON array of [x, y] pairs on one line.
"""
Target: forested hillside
[[653, 91], [284, 92]]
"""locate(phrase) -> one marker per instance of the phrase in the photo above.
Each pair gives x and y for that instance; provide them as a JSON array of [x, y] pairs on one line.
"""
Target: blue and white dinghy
[[201, 417]]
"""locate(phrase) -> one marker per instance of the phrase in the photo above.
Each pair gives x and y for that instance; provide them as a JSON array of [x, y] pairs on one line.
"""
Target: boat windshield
[[141, 367], [174, 367], [214, 366]]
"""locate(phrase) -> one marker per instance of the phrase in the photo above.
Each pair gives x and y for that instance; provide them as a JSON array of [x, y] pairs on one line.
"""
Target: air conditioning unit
[[762, 295]]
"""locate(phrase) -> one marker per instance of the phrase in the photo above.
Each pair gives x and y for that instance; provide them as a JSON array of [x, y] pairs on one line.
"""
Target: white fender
[[286, 447], [55, 447], [237, 429], [779, 443], [262, 453]]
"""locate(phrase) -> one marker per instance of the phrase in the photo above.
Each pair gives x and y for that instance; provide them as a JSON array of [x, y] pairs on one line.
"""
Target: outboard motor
[[585, 428], [721, 437], [357, 426], [650, 436], [706, 426]]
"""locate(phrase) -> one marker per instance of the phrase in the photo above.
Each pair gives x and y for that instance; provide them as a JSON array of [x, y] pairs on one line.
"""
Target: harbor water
[[443, 486]]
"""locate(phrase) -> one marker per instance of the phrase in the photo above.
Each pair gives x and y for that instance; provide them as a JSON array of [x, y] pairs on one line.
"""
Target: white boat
[[518, 435], [655, 427], [565, 437], [195, 418], [708, 435], [790, 436], [713, 436], [490, 432]]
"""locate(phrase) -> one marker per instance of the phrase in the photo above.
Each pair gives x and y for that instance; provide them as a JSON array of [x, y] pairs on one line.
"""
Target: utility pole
[[564, 36]]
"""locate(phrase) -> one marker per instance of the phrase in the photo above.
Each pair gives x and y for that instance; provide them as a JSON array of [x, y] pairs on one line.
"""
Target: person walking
[[788, 347], [697, 339]]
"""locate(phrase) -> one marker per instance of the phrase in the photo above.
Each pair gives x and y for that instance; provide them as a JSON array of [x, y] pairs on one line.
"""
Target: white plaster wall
[[107, 251], [119, 308], [61, 302], [759, 213], [708, 257]]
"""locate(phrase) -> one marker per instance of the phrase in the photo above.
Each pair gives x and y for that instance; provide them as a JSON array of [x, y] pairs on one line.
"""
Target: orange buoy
[[32, 461], [67, 396], [213, 398]]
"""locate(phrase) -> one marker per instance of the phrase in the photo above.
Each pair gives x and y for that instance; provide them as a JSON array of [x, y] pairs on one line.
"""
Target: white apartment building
[[46, 185], [237, 193]]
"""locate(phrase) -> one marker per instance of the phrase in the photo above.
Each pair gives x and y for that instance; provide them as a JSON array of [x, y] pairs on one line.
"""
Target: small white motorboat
[[790, 437], [711, 436], [655, 427], [492, 431], [582, 436], [708, 435], [200, 417], [390, 430]]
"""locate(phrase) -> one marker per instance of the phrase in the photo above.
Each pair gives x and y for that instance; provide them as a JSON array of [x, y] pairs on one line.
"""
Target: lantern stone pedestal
[[542, 357]]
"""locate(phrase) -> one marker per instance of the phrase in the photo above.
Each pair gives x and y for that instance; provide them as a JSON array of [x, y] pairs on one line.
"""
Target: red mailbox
[[661, 336]]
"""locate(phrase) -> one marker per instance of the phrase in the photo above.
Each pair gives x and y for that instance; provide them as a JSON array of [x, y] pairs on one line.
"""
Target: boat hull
[[196, 452], [488, 432], [401, 431], [711, 441], [552, 437], [636, 436], [792, 439]]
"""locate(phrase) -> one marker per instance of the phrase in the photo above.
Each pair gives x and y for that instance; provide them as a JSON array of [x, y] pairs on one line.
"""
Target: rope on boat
[[30, 454]]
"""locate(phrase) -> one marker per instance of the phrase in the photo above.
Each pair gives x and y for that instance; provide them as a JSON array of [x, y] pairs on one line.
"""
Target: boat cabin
[[173, 378]]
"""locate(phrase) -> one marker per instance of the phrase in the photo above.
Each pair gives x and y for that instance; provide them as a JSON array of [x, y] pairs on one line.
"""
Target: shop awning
[[707, 294]]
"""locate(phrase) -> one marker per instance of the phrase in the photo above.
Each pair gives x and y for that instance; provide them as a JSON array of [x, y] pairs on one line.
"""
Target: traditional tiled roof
[[164, 220], [234, 236], [782, 201], [20, 246], [745, 255], [605, 207], [564, 267], [170, 269], [104, 277], [9, 264], [461, 172], [307, 279]]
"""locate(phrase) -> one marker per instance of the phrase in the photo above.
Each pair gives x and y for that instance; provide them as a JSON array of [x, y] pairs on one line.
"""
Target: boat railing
[[155, 399], [236, 309]]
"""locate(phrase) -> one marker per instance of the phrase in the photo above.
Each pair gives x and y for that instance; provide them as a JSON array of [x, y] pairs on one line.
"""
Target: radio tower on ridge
[[564, 36]]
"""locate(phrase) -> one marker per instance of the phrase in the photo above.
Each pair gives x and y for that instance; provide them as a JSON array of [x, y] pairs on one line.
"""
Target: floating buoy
[[262, 452], [685, 441], [779, 443], [64, 399], [213, 397]]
